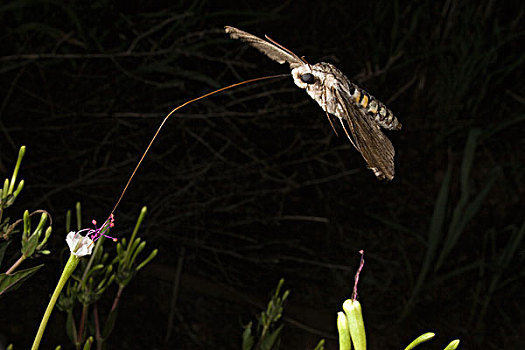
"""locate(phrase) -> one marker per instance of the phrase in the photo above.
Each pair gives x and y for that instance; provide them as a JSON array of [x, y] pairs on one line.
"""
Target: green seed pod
[[345, 343], [356, 325]]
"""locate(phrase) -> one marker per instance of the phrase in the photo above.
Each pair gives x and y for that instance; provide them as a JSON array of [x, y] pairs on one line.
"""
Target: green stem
[[15, 265], [68, 270], [81, 327], [117, 298]]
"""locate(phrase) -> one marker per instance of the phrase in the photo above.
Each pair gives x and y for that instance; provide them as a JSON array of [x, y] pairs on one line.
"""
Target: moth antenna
[[305, 61], [283, 48]]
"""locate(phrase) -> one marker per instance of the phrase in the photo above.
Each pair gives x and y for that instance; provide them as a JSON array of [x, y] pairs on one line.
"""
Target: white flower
[[78, 244]]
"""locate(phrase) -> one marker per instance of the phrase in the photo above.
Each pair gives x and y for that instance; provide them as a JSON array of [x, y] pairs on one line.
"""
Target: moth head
[[303, 76]]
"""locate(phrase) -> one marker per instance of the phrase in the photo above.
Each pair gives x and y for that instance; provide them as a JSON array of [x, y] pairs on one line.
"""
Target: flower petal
[[78, 244]]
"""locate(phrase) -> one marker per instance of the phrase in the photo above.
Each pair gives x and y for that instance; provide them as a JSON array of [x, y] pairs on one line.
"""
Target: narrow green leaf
[[453, 345], [68, 221], [71, 329], [18, 189], [421, 339], [5, 189], [89, 342], [78, 211], [438, 216], [247, 337], [41, 223], [110, 323], [269, 341], [21, 153], [28, 247], [27, 225], [320, 345], [434, 236], [13, 281], [152, 255], [468, 158], [513, 244]]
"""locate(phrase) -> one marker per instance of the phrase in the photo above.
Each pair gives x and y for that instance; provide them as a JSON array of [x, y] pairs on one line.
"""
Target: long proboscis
[[173, 111]]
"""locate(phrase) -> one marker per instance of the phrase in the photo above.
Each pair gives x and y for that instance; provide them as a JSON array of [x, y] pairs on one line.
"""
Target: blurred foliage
[[268, 331], [255, 185]]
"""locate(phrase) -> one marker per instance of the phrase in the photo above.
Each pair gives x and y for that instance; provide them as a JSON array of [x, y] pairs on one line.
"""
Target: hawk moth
[[339, 97]]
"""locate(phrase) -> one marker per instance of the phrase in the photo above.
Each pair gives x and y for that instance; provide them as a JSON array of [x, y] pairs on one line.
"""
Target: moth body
[[360, 114], [328, 77]]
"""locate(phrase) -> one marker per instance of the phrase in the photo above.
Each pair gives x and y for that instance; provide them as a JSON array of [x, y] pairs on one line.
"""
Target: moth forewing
[[374, 146], [276, 53]]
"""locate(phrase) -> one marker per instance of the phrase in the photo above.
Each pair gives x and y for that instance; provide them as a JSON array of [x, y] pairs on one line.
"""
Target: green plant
[[33, 241], [445, 229], [92, 281], [448, 223], [350, 324], [351, 327], [268, 332]]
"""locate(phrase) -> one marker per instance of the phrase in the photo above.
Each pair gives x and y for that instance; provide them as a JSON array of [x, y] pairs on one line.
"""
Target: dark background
[[253, 185]]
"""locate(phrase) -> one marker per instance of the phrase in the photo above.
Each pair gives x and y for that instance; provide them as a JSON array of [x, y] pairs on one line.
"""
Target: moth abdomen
[[374, 108]]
